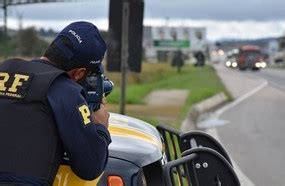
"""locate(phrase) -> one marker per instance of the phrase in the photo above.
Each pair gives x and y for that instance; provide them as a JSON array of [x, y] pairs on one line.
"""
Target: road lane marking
[[214, 121], [220, 111], [276, 86], [271, 80], [245, 181]]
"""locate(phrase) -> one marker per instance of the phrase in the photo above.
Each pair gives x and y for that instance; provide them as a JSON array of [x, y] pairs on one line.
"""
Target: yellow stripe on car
[[126, 131], [65, 177]]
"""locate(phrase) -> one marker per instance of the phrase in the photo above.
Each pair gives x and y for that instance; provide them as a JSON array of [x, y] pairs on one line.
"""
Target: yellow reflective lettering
[[17, 82], [4, 77], [85, 112]]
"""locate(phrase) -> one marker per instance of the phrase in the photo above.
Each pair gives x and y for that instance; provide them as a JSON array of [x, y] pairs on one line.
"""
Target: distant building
[[160, 42]]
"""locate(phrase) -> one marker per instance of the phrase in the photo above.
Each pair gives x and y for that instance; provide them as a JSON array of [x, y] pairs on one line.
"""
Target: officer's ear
[[77, 73]]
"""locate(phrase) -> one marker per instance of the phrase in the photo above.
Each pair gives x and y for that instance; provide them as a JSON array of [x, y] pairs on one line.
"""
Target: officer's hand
[[101, 116]]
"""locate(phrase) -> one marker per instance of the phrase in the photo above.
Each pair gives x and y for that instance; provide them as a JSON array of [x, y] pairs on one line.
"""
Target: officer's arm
[[85, 143]]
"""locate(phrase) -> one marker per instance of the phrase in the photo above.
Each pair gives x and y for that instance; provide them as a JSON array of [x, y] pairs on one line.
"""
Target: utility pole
[[5, 16], [124, 52]]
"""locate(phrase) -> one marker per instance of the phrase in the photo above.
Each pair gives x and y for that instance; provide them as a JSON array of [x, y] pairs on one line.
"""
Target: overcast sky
[[223, 18]]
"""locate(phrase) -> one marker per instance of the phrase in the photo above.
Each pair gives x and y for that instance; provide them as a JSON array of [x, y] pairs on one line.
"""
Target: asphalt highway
[[255, 135]]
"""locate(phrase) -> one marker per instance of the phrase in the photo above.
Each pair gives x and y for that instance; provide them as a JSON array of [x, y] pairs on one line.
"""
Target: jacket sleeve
[[85, 143]]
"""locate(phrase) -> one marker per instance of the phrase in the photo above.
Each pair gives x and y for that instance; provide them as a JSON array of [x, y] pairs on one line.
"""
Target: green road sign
[[172, 43]]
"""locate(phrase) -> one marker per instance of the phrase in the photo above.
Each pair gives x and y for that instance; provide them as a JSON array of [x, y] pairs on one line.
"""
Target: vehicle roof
[[250, 48]]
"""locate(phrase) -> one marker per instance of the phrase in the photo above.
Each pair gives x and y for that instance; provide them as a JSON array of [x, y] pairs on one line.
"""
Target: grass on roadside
[[140, 84], [202, 83]]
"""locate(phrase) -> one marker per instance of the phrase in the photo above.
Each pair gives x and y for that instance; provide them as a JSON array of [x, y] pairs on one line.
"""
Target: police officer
[[43, 111]]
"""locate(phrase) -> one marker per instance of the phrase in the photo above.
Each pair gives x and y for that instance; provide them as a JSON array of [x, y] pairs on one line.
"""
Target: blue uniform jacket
[[85, 143]]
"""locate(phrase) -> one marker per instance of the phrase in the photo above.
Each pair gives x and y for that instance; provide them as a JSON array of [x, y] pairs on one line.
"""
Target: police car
[[141, 154]]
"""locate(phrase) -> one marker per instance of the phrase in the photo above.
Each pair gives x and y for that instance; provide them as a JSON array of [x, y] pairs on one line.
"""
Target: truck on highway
[[250, 56]]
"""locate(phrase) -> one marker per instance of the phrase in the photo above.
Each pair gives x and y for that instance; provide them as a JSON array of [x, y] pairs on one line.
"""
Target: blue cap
[[88, 46]]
